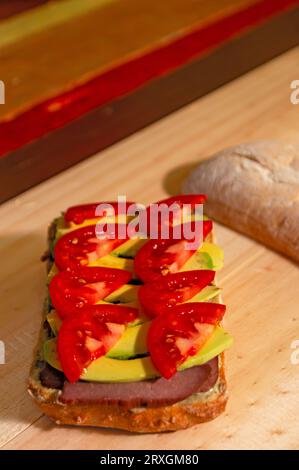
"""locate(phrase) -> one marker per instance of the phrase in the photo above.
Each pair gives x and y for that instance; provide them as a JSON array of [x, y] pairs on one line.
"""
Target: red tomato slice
[[182, 199], [112, 313], [89, 335], [78, 214], [81, 246], [156, 297], [161, 257], [181, 332], [72, 290], [180, 202]]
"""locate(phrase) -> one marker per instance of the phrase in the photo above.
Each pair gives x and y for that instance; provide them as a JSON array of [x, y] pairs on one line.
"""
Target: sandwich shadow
[[173, 180]]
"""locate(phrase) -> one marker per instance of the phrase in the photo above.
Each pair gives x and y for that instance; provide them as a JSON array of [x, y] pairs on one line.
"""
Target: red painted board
[[127, 77]]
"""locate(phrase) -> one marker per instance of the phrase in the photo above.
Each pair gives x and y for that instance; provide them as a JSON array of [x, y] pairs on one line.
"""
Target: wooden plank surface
[[260, 287], [103, 33], [118, 118], [179, 54], [9, 8]]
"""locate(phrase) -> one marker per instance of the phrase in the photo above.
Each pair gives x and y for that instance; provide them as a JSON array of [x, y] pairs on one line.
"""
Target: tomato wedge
[[156, 297], [81, 247], [170, 216], [161, 257], [78, 214], [181, 332], [89, 335], [72, 290], [182, 199]]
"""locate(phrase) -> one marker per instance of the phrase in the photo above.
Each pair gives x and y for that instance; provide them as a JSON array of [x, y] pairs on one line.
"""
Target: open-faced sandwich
[[132, 334]]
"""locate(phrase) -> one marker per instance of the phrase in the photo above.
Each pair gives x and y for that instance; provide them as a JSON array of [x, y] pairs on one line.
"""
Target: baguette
[[197, 408], [254, 189]]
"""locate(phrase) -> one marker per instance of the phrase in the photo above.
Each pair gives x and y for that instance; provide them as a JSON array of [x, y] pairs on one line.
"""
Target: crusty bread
[[254, 188], [196, 409]]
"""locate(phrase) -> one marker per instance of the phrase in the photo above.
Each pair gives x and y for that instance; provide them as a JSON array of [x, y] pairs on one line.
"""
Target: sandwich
[[132, 331], [253, 188]]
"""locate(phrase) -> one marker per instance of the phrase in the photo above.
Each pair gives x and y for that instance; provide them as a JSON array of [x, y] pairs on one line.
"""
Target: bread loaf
[[254, 188]]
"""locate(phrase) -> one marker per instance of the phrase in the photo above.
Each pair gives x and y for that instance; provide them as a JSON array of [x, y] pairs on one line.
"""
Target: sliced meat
[[145, 393], [51, 377]]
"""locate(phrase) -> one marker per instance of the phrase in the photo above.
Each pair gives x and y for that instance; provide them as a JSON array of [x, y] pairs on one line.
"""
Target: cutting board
[[129, 56], [260, 287]]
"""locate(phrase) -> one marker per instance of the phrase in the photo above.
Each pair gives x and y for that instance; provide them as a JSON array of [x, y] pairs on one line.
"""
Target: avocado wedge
[[130, 248], [107, 369], [113, 261], [62, 227], [125, 294], [208, 293], [209, 256], [131, 344]]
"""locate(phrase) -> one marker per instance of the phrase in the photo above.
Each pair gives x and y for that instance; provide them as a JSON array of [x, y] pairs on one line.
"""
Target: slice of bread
[[254, 189], [197, 408]]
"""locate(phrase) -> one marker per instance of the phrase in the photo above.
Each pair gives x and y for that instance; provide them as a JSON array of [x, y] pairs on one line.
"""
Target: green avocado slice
[[106, 369], [54, 270], [54, 321], [209, 256], [125, 294], [207, 293], [112, 261], [131, 344], [130, 248]]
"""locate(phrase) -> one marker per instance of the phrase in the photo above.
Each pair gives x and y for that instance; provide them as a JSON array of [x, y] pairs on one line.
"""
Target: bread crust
[[181, 415], [140, 420], [254, 189]]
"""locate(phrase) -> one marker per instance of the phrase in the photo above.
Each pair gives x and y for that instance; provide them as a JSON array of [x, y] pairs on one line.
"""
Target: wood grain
[[48, 14], [260, 287], [99, 34], [9, 8], [112, 121]]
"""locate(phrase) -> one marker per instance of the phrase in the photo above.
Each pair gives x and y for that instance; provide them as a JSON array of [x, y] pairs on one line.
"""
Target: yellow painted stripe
[[45, 16], [73, 51]]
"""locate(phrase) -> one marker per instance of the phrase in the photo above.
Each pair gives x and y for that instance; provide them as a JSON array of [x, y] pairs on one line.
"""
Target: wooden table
[[260, 287]]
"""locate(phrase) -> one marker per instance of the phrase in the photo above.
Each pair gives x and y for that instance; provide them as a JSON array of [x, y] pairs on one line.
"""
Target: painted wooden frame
[[39, 139]]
